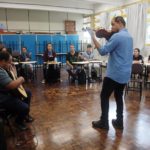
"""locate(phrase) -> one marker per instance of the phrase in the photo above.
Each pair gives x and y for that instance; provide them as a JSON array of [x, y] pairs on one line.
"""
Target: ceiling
[[73, 6]]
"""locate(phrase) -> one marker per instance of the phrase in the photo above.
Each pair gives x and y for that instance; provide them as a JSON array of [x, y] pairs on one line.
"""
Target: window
[[148, 28], [86, 23]]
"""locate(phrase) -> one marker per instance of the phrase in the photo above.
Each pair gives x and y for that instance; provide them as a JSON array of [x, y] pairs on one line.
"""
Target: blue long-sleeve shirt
[[120, 50]]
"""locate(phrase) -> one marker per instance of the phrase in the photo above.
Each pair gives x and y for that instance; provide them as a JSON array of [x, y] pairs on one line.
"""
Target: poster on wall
[[2, 27]]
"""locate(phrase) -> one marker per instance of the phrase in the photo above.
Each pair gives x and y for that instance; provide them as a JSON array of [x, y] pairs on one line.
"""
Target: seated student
[[72, 56], [89, 55], [137, 58], [25, 56], [93, 67], [49, 55], [8, 98]]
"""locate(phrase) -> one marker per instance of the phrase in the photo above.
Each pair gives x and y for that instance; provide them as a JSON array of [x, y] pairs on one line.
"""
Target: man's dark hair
[[24, 47], [48, 44], [89, 46], [120, 19], [4, 56]]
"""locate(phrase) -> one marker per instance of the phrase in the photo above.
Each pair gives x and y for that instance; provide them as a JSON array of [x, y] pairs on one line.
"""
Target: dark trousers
[[44, 70], [18, 107], [108, 87]]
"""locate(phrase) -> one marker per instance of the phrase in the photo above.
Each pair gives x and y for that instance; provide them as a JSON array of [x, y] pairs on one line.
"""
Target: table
[[100, 67], [34, 63], [81, 63], [52, 63], [16, 63]]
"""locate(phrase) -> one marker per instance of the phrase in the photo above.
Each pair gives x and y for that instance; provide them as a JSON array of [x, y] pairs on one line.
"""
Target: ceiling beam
[[112, 2], [46, 8]]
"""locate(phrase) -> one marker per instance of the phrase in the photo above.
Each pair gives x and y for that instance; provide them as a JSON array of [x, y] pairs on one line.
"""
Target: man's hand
[[21, 79], [91, 32]]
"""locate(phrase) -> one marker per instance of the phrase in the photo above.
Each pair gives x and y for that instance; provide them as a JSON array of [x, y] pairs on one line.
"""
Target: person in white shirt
[[87, 56]]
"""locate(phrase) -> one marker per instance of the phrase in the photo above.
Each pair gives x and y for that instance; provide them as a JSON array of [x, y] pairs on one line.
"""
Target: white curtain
[[104, 23], [136, 24], [104, 20]]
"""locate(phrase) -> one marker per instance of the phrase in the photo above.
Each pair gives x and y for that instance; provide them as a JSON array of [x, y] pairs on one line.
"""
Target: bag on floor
[[81, 76], [94, 73], [53, 74]]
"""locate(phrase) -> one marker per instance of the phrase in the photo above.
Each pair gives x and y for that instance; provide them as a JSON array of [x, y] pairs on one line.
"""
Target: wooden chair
[[136, 81]]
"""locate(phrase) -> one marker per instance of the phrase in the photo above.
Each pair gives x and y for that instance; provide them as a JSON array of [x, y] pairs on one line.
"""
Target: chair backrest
[[15, 54]]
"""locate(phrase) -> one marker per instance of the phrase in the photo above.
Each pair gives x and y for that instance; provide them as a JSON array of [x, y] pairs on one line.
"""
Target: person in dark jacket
[[49, 55], [137, 58], [27, 68]]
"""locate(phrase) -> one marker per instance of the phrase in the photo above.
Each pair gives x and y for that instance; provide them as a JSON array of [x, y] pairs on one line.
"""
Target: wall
[[41, 21]]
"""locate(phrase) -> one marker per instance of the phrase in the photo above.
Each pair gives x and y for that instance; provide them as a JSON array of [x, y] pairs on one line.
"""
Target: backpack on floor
[[81, 76], [94, 73], [53, 74]]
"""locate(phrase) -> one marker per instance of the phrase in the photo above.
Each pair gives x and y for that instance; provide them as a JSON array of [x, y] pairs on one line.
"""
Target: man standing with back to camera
[[120, 50]]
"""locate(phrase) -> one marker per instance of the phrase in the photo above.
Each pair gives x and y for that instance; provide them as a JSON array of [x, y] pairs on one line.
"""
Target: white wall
[[38, 21], [17, 19], [41, 21], [72, 6], [2, 17]]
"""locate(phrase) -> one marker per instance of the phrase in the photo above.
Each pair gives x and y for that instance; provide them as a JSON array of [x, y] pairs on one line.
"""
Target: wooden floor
[[63, 114]]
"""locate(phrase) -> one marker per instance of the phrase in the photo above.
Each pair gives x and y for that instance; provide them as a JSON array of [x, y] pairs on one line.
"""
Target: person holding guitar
[[120, 49], [19, 105]]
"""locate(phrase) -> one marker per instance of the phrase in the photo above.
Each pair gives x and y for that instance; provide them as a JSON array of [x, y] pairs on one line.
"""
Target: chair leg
[[10, 127], [140, 91]]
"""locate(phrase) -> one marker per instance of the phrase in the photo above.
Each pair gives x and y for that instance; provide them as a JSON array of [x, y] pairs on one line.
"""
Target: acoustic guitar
[[20, 91]]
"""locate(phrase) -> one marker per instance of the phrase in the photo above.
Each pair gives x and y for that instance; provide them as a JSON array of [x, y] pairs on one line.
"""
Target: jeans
[[108, 87], [19, 107]]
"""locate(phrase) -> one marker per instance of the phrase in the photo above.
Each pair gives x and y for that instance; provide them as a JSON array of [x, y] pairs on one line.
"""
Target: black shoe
[[117, 124], [100, 124], [29, 119], [21, 126]]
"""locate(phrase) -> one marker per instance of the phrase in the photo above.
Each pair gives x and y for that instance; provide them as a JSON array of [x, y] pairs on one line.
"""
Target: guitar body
[[20, 91]]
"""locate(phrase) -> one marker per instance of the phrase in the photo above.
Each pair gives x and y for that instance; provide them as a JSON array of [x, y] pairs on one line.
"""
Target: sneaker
[[43, 81], [29, 119], [21, 126], [117, 124], [100, 124]]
